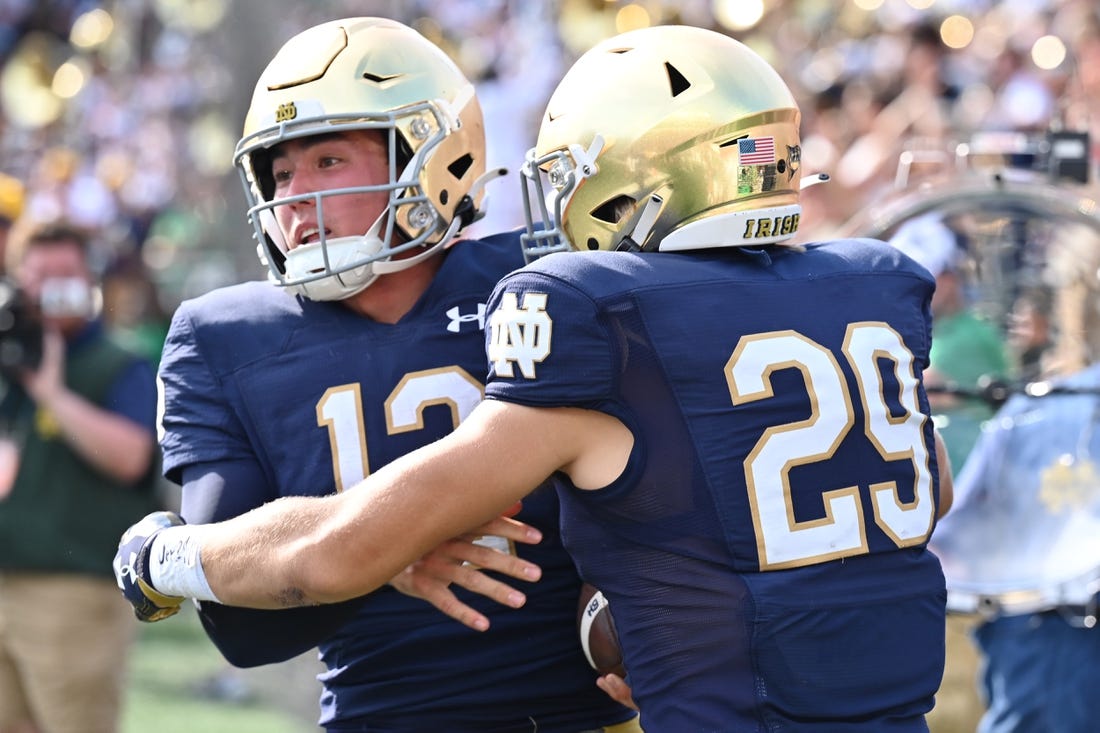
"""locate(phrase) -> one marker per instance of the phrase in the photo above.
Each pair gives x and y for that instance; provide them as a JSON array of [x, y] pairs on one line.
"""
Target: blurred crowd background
[[122, 115]]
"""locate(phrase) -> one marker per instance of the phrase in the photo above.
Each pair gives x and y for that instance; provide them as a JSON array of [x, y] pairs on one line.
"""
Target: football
[[596, 629]]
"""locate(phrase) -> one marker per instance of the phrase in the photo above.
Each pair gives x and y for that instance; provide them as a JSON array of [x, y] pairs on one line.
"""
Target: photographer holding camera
[[79, 412]]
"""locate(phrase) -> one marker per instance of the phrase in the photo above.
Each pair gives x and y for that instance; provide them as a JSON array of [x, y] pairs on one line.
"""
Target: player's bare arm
[[339, 547], [460, 561], [308, 550]]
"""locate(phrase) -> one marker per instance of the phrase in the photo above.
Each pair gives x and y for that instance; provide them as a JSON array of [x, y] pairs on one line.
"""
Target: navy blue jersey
[[764, 552], [316, 397]]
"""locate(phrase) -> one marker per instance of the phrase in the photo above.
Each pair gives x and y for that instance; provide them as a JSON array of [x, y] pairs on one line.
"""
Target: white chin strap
[[307, 260], [345, 278]]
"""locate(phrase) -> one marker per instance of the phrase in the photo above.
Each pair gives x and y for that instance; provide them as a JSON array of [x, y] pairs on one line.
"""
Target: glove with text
[[132, 568]]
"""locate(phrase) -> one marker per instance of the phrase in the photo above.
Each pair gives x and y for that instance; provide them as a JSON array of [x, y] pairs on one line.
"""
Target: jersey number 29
[[783, 541]]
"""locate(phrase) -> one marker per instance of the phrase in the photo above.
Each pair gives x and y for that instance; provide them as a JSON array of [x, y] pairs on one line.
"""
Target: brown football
[[596, 629]]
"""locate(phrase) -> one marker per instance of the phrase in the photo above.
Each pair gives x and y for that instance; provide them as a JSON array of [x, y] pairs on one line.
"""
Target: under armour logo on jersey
[[519, 335], [458, 318]]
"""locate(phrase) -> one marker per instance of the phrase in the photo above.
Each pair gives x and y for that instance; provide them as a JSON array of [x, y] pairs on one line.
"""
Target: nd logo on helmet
[[286, 111], [519, 335]]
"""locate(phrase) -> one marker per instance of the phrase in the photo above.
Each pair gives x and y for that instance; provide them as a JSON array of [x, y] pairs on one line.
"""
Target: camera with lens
[[20, 331]]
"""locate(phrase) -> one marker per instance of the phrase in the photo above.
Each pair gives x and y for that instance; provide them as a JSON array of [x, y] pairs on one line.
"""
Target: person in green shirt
[[79, 425]]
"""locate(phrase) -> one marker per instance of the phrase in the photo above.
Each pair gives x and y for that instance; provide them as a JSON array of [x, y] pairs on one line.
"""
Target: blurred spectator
[[11, 206], [1030, 332], [917, 105], [132, 310], [1081, 106], [1023, 100], [81, 419]]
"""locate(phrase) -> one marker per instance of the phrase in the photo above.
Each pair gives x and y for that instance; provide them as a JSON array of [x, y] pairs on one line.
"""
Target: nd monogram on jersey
[[520, 336]]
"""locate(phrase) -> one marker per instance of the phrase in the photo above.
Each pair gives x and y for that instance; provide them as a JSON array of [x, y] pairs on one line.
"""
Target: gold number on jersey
[[340, 410], [782, 540]]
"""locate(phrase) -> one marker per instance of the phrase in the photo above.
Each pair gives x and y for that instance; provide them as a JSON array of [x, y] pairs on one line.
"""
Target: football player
[[737, 425], [362, 158]]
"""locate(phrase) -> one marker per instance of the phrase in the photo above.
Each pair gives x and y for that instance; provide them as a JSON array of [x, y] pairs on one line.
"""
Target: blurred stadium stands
[[123, 114]]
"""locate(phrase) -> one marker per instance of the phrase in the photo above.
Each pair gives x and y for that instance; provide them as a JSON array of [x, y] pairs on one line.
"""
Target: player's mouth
[[310, 235]]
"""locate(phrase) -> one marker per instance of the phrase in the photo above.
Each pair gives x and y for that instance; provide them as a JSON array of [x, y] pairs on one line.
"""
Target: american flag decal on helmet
[[756, 150]]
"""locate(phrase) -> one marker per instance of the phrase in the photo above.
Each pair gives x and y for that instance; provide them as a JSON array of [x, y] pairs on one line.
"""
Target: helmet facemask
[[336, 268], [563, 171]]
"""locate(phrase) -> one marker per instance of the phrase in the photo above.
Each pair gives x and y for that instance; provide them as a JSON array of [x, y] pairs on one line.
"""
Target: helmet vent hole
[[593, 244], [443, 196], [677, 82], [459, 166], [615, 210], [375, 78]]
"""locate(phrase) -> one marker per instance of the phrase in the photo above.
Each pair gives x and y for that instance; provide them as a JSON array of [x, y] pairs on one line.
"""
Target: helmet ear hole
[[275, 255], [615, 210], [460, 166], [403, 153], [259, 162]]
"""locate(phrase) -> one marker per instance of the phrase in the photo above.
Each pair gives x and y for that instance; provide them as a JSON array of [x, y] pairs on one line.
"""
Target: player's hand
[[131, 568], [617, 689], [463, 561]]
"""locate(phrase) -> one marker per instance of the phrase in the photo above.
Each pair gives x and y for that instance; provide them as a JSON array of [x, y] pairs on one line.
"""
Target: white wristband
[[175, 565]]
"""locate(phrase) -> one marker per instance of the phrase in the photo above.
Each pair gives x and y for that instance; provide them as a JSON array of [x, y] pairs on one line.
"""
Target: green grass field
[[171, 662]]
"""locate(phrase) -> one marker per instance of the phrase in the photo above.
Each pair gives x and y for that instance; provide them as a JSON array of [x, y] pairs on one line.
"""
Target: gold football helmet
[[665, 138], [355, 74]]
